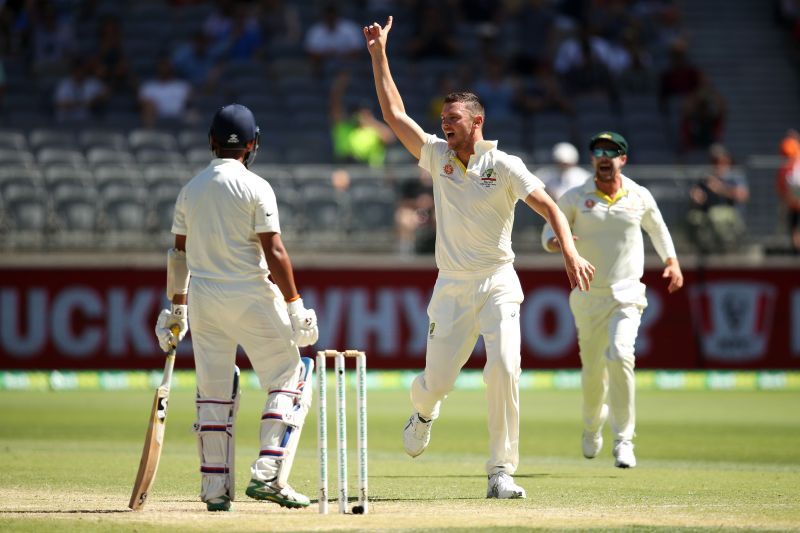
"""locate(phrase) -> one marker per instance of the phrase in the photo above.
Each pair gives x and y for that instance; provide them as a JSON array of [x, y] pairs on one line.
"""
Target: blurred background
[[105, 108]]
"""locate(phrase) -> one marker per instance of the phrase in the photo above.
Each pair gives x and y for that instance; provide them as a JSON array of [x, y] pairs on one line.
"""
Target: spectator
[[544, 92], [564, 173], [496, 90], [198, 61], [53, 39], [358, 137], [585, 62], [110, 62], [715, 218], [534, 23], [332, 40], [702, 116], [80, 95], [429, 39], [280, 23], [244, 40], [788, 185], [414, 216], [680, 78], [165, 97]]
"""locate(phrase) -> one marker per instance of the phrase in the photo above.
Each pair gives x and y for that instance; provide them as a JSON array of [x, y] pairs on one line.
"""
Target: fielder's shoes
[[416, 435], [623, 454], [220, 503], [593, 440], [285, 497], [501, 485]]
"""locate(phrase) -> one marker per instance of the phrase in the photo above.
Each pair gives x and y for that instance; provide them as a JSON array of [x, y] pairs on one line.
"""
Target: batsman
[[230, 276]]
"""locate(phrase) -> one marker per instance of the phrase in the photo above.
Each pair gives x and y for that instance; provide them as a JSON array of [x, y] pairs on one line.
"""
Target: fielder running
[[227, 243], [477, 291], [607, 215]]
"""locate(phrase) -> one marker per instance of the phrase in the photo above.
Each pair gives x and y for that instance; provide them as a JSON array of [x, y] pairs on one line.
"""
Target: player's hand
[[167, 318], [673, 272], [376, 36], [579, 271], [304, 323]]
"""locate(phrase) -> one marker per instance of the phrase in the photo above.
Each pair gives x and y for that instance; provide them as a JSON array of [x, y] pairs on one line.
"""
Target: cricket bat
[[154, 439]]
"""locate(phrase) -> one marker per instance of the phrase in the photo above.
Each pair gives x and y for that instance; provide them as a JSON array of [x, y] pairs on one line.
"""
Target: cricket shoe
[[285, 496], [220, 503], [593, 440], [623, 454], [416, 435], [502, 486]]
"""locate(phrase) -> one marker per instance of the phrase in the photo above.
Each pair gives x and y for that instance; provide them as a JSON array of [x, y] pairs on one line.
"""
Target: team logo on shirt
[[487, 181], [448, 169], [431, 328], [589, 203]]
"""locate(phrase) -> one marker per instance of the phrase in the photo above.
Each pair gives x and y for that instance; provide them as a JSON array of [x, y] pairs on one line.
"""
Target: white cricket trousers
[[461, 308], [252, 314], [607, 329]]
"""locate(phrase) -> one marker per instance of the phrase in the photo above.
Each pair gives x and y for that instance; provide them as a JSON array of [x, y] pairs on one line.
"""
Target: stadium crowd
[[97, 92]]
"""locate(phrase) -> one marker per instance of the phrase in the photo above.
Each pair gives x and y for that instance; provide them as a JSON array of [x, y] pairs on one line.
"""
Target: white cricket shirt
[[609, 231], [221, 211], [475, 205]]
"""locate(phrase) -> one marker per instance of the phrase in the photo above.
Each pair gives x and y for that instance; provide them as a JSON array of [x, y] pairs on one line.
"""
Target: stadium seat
[[154, 139], [48, 138], [93, 138]]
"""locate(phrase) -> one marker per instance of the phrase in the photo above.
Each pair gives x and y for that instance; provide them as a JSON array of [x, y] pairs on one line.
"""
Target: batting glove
[[304, 323], [167, 319]]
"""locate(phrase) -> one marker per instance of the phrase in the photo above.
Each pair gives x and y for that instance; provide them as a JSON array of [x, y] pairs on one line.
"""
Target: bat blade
[[153, 441]]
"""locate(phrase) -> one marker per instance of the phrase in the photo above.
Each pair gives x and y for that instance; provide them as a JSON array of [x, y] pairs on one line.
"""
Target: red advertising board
[[103, 318]]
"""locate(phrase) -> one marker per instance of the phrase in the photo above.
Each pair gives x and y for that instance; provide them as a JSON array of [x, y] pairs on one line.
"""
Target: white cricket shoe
[[416, 435], [501, 485], [593, 441], [623, 454]]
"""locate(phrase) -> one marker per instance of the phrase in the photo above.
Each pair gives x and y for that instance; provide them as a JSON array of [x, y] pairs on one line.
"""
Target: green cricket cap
[[612, 136]]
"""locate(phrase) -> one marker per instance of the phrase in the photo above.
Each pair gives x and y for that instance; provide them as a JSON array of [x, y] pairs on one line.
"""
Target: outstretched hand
[[376, 35]]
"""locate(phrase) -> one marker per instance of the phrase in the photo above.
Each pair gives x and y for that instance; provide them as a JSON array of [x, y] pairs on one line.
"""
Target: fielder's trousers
[[462, 307]]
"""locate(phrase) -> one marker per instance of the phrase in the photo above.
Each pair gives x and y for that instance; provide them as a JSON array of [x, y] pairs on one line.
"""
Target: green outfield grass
[[707, 460]]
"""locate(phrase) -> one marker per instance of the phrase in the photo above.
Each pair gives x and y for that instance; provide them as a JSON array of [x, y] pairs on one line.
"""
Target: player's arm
[[280, 266], [654, 225], [579, 271], [304, 321], [394, 113], [180, 245]]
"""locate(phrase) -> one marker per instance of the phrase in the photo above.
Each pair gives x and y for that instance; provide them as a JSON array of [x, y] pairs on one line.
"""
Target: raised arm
[[579, 271], [394, 113]]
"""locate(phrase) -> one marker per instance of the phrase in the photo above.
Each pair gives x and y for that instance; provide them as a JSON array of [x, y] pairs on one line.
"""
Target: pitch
[[707, 460]]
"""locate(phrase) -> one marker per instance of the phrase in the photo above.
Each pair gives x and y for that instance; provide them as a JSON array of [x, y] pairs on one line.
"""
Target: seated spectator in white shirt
[[564, 173], [332, 39], [80, 95], [165, 96]]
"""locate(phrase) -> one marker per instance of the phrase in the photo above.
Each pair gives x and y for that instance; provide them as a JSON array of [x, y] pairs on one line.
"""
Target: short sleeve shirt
[[221, 211], [475, 205]]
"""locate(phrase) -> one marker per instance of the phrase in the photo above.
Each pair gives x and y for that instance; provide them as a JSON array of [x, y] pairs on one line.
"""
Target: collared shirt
[[475, 204], [609, 230], [221, 211]]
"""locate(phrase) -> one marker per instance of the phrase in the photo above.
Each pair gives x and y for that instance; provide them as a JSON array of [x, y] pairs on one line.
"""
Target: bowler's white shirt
[[609, 231], [221, 211], [475, 205]]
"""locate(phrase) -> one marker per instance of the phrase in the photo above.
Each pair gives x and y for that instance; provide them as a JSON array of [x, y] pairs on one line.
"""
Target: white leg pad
[[281, 424], [216, 443]]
